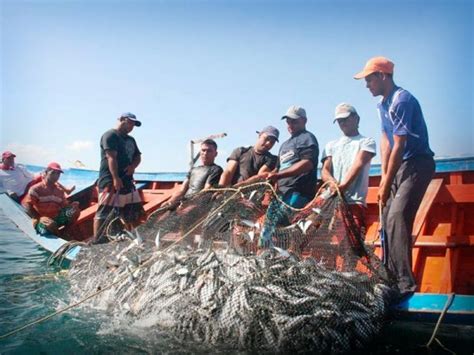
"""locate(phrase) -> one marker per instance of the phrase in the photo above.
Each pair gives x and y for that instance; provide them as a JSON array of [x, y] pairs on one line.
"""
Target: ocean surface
[[30, 290]]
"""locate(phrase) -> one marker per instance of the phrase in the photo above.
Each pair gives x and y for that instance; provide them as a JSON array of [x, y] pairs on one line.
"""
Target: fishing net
[[239, 269]]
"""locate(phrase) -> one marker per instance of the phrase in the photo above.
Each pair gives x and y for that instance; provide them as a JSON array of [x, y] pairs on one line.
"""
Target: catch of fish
[[275, 301]]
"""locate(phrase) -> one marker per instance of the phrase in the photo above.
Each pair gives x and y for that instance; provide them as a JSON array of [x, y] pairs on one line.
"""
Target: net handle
[[380, 215]]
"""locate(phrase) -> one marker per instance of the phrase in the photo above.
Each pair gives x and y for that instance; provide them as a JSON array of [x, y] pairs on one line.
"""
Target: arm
[[394, 161], [28, 204], [213, 178], [362, 159], [301, 167], [262, 174], [178, 195], [65, 189], [111, 156], [129, 170], [228, 174], [326, 171], [385, 151]]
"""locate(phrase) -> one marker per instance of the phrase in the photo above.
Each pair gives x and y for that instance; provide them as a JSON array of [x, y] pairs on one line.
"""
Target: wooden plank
[[456, 194], [437, 241], [448, 276], [448, 194], [425, 206]]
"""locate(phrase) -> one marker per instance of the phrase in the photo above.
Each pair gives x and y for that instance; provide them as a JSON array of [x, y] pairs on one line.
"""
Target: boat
[[153, 194], [443, 237], [443, 244]]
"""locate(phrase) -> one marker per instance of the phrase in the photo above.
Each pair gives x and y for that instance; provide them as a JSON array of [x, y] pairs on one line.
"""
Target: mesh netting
[[239, 269]]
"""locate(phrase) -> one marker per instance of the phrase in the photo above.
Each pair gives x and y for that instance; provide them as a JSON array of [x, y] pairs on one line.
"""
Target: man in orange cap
[[46, 203], [407, 165]]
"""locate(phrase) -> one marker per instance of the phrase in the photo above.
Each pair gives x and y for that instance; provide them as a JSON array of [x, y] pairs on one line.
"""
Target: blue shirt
[[401, 115]]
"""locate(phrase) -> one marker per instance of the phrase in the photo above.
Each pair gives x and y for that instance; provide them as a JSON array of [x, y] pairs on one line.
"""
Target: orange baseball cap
[[376, 64]]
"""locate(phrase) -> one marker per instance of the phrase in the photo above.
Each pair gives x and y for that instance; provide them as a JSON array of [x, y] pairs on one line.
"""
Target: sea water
[[30, 290]]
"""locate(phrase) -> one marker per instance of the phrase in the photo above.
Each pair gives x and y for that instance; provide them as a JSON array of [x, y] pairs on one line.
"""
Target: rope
[[42, 319], [448, 304]]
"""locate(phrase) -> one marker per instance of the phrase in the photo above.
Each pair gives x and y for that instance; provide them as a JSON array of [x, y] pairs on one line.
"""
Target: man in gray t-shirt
[[202, 177], [298, 159], [248, 163]]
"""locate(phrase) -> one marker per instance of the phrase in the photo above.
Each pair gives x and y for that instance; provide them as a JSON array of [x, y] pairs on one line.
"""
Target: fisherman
[[247, 164], [407, 165], [15, 179], [296, 176], [346, 162], [202, 177], [298, 159], [120, 157], [46, 203]]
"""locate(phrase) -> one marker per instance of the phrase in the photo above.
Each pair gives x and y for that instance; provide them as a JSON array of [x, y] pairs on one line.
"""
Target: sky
[[190, 69]]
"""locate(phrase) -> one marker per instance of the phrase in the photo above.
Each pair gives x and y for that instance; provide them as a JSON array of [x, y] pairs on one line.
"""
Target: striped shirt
[[46, 200]]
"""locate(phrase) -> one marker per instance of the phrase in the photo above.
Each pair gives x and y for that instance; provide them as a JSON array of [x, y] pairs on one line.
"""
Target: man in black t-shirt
[[246, 164], [120, 157], [202, 177]]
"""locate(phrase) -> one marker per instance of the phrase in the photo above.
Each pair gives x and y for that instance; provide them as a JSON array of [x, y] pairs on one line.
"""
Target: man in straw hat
[[407, 165]]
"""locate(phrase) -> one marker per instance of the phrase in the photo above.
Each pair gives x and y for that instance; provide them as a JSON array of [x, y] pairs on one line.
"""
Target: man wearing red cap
[[46, 203], [407, 166], [15, 179]]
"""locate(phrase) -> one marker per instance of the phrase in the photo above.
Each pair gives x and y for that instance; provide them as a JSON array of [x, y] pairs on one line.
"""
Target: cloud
[[79, 146], [31, 154]]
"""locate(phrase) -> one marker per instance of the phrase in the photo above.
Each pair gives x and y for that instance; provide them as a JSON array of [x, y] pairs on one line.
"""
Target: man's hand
[[342, 187], [118, 184], [71, 189], [273, 177], [383, 192]]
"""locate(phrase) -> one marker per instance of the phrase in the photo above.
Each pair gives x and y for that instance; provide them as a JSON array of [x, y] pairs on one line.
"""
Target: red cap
[[55, 166], [8, 154]]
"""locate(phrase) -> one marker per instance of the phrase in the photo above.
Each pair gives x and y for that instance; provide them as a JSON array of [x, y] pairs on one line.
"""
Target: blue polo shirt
[[401, 115]]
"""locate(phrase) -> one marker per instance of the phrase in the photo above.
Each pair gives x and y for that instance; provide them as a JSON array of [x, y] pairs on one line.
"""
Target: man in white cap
[[248, 163], [407, 166], [346, 162], [298, 160], [120, 157]]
